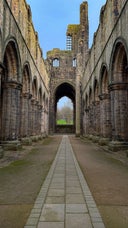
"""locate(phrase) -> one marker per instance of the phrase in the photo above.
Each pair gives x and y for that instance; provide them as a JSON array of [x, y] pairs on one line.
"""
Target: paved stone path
[[65, 200]]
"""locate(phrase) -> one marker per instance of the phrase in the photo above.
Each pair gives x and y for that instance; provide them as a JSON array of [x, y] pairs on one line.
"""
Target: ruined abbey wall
[[105, 79], [96, 79], [24, 81]]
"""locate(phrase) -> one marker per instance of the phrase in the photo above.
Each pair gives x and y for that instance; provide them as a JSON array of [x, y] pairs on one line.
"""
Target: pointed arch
[[34, 88], [12, 61], [96, 90], [119, 62], [104, 81], [40, 96], [26, 78]]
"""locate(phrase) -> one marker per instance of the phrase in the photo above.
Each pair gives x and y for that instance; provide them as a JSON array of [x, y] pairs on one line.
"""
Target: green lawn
[[63, 122]]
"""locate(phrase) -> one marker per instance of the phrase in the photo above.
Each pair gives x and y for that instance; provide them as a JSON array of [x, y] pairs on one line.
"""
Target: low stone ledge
[[36, 138], [26, 141], [117, 145], [11, 145], [1, 152], [95, 139], [104, 141]]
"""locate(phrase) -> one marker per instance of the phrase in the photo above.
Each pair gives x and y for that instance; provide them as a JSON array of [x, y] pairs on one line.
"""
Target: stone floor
[[65, 200]]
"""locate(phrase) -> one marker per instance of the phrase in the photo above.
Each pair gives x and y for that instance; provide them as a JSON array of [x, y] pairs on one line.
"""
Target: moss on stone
[[73, 29]]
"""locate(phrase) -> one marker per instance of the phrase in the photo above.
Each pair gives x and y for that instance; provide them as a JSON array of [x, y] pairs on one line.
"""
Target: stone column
[[119, 108], [36, 120], [105, 115], [1, 74], [86, 123], [32, 116], [90, 126], [39, 118], [96, 118], [119, 116], [78, 108], [11, 111], [25, 115], [119, 111]]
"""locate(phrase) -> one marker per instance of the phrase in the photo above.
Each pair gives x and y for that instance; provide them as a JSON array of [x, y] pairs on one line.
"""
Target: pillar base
[[95, 139], [1, 152], [104, 141], [77, 134], [26, 141], [11, 145], [117, 145]]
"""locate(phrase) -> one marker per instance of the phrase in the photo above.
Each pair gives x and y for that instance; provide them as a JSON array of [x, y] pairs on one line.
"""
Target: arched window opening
[[96, 91], [74, 62], [69, 43], [104, 81], [64, 111], [56, 63], [34, 89]]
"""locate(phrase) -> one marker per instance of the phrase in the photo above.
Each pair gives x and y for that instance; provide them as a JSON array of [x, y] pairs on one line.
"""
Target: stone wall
[[24, 91], [65, 69], [105, 84]]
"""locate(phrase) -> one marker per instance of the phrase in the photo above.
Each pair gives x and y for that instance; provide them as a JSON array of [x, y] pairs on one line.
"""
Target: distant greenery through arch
[[64, 111]]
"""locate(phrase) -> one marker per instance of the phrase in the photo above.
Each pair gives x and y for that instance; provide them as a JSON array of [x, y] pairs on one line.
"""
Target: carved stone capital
[[104, 96], [12, 84], [118, 86]]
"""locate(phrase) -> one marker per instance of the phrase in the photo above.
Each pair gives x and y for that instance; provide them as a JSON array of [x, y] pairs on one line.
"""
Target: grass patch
[[19, 163], [47, 141], [61, 122]]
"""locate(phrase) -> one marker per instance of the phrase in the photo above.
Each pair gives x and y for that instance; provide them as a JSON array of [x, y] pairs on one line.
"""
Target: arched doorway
[[67, 90]]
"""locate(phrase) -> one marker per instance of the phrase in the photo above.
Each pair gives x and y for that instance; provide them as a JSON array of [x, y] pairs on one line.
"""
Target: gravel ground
[[107, 176]]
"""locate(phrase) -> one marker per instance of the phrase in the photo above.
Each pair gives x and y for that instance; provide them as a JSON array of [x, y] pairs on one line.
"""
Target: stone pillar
[[41, 120], [86, 123], [25, 115], [105, 116], [90, 126], [119, 111], [32, 116], [96, 118], [1, 74], [36, 120], [78, 94], [11, 110], [78, 107]]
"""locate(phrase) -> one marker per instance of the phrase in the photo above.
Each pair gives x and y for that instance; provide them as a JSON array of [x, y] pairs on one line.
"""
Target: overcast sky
[[50, 19]]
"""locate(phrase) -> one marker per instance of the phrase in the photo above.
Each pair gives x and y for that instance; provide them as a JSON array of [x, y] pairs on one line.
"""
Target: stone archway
[[119, 92], [105, 106], [11, 93], [63, 89]]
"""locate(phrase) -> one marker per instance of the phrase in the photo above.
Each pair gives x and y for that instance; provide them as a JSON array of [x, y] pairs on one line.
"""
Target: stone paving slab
[[65, 200], [51, 225]]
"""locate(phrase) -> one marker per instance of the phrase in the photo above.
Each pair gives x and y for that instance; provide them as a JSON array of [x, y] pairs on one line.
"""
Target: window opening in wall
[[56, 63], [69, 43], [64, 111], [74, 62]]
